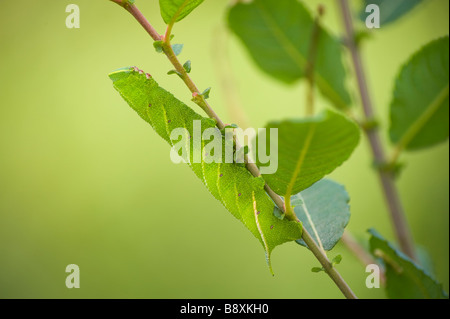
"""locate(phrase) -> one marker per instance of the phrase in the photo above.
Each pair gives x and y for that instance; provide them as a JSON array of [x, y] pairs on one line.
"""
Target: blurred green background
[[84, 180]]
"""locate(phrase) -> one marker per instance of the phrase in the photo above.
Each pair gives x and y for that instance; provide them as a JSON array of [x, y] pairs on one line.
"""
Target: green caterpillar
[[232, 184]]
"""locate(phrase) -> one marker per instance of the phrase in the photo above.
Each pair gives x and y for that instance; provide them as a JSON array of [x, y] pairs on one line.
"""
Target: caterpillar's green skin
[[232, 184]]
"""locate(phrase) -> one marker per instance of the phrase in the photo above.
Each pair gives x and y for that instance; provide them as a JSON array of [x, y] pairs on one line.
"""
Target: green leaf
[[175, 72], [233, 185], [419, 109], [206, 93], [177, 48], [404, 279], [336, 260], [158, 45], [317, 269], [425, 260], [187, 66], [325, 212], [277, 35], [175, 10], [390, 10], [309, 149], [278, 213]]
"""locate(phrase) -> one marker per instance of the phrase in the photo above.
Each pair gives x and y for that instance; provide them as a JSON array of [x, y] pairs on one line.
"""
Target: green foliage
[[175, 10], [336, 260], [390, 10], [404, 279], [317, 269], [175, 72], [158, 45], [206, 93], [309, 149], [177, 48], [187, 66], [324, 212], [278, 35], [233, 185], [419, 109]]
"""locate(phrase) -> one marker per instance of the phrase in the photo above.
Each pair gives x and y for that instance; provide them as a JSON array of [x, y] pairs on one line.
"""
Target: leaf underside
[[390, 10], [420, 107], [324, 212], [277, 35], [404, 279], [241, 193]]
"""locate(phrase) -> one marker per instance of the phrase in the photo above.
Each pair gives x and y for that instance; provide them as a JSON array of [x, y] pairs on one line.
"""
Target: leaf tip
[[119, 73]]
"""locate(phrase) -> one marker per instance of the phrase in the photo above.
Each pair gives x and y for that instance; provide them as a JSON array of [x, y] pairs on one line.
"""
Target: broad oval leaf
[[404, 279], [324, 212], [278, 34], [175, 10], [309, 149], [420, 107], [390, 10], [232, 184]]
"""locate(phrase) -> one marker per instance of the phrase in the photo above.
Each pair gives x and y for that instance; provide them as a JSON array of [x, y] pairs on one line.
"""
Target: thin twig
[[330, 270], [360, 253], [254, 170], [397, 214]]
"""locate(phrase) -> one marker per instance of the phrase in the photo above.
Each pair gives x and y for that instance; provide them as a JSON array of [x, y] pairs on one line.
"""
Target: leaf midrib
[[295, 55], [423, 119], [261, 233], [301, 159], [180, 9], [309, 217]]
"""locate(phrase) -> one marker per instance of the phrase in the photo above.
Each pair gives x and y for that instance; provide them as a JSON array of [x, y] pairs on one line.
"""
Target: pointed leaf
[[233, 185], [277, 35], [325, 212], [309, 149], [420, 107], [336, 260], [177, 48], [390, 10], [187, 66], [404, 279], [206, 93], [175, 10]]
